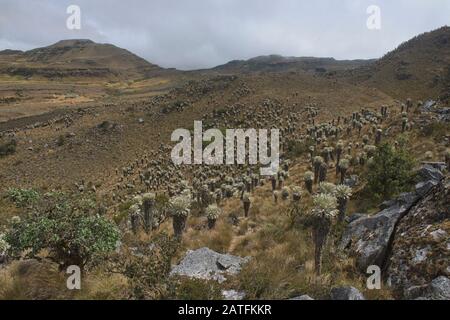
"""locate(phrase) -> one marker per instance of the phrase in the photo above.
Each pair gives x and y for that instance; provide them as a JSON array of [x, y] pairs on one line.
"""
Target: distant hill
[[76, 58], [418, 68], [277, 63]]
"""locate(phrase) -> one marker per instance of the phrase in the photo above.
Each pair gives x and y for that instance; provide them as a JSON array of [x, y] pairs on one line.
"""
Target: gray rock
[[303, 297], [351, 181], [428, 106], [444, 115], [438, 289], [355, 216], [441, 166], [428, 172], [439, 235], [422, 188], [419, 245], [407, 199], [205, 263], [413, 292], [233, 295], [421, 255], [386, 204], [368, 238], [346, 293]]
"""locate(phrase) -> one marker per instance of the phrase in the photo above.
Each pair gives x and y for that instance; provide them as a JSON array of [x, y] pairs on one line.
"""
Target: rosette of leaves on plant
[[179, 208], [212, 213]]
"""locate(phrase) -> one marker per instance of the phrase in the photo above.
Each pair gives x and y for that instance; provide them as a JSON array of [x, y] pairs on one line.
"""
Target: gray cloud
[[190, 34]]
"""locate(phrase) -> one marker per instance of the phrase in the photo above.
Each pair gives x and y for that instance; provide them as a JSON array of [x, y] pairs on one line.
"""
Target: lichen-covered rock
[[368, 238], [428, 106], [429, 172], [438, 289], [346, 293], [422, 188], [421, 248], [354, 217], [205, 263], [233, 295], [302, 297]]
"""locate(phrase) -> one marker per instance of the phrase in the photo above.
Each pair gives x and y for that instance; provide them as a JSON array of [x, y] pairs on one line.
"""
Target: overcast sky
[[190, 34]]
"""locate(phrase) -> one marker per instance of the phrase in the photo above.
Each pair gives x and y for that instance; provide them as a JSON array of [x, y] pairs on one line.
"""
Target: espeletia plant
[[246, 200], [148, 208], [323, 169], [327, 188], [179, 208], [285, 193], [343, 194], [134, 214], [309, 179], [295, 210], [317, 162], [344, 164], [4, 247], [296, 194], [323, 212], [212, 213], [447, 158]]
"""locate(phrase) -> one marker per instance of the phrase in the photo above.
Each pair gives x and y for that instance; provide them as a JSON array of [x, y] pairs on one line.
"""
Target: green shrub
[[8, 148], [22, 197], [66, 229], [390, 172], [148, 267], [61, 140], [298, 148]]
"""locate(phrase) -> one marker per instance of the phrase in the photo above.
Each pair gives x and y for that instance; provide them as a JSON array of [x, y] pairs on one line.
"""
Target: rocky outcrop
[[346, 293], [421, 248], [369, 238], [438, 289], [205, 263], [443, 114]]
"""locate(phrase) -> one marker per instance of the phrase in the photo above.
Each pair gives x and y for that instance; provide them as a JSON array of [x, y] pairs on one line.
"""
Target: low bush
[[7, 148]]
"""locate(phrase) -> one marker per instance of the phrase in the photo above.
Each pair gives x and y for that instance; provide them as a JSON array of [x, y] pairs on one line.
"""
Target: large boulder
[[368, 238], [346, 293], [423, 187], [438, 289], [205, 263], [421, 248], [430, 173], [428, 106]]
